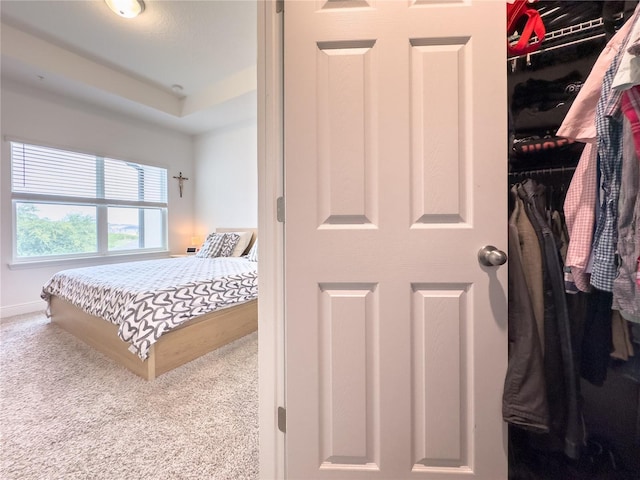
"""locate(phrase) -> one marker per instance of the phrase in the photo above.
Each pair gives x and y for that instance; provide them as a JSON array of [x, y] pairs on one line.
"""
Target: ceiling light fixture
[[126, 8]]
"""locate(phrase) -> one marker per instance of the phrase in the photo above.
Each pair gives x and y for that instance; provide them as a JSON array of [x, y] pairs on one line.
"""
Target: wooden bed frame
[[177, 347]]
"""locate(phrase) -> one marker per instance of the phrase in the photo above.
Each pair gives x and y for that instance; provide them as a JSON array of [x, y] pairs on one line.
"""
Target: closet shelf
[[593, 29], [573, 29]]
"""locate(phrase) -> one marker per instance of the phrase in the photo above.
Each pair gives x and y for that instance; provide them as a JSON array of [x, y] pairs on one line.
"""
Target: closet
[[572, 392]]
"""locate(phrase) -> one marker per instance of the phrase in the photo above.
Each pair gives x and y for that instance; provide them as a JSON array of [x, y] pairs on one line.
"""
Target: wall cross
[[181, 180]]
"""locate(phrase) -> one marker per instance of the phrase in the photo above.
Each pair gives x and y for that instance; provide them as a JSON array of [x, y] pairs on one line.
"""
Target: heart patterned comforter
[[149, 298]]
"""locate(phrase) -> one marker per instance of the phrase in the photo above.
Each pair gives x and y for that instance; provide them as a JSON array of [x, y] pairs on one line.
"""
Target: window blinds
[[37, 170]]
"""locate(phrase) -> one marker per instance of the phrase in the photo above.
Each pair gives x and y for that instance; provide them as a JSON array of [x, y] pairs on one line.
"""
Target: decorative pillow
[[210, 246], [228, 244], [241, 246], [218, 245], [253, 253]]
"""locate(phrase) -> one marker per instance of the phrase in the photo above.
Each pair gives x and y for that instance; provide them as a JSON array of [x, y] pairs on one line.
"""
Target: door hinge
[[280, 209], [279, 6], [282, 419]]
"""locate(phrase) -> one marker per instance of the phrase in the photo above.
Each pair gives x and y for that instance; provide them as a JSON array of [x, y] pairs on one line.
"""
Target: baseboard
[[22, 308]]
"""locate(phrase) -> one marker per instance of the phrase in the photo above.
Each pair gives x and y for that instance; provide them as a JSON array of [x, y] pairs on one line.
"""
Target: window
[[69, 204]]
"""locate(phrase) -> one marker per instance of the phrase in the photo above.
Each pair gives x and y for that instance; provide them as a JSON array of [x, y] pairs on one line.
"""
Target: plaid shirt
[[609, 130], [580, 216]]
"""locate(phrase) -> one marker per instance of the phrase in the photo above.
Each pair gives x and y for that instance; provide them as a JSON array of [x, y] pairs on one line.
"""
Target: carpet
[[68, 412]]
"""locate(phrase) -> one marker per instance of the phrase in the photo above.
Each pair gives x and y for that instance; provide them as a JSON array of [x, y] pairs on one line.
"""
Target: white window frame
[[102, 206]]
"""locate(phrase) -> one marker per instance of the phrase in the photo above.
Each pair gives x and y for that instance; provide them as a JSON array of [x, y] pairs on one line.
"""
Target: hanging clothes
[[596, 212], [580, 203], [531, 259], [547, 399], [524, 401], [587, 256], [626, 297]]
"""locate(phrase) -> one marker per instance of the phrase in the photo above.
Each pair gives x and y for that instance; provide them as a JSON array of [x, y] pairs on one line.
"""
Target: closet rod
[[523, 173]]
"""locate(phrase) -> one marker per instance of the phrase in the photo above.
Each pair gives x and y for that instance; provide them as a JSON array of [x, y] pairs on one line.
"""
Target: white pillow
[[241, 246], [253, 253]]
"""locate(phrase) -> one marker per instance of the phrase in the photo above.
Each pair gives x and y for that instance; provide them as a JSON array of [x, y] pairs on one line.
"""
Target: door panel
[[438, 101], [440, 374], [395, 177], [347, 348], [346, 179]]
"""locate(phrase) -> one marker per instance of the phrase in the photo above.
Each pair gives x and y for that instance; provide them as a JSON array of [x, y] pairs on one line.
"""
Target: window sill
[[87, 261]]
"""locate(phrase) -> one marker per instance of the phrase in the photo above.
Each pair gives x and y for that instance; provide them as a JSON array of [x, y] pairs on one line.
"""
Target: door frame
[[271, 329]]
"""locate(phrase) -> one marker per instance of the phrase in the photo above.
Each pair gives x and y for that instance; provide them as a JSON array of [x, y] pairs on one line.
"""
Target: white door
[[395, 176]]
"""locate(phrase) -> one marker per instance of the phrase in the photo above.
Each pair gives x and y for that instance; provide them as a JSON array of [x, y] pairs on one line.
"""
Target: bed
[[188, 307]]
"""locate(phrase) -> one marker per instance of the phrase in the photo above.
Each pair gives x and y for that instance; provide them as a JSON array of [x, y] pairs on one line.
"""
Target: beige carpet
[[68, 412]]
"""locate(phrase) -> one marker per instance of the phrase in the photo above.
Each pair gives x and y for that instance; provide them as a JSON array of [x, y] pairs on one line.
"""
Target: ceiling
[[82, 50]]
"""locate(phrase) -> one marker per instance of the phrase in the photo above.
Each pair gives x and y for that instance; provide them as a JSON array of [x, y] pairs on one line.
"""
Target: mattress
[[149, 298]]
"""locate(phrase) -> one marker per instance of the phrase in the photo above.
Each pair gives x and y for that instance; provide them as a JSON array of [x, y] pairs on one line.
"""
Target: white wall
[[227, 178], [40, 117]]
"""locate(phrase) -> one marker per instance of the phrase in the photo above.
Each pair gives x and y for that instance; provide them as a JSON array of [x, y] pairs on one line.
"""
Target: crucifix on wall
[[181, 180]]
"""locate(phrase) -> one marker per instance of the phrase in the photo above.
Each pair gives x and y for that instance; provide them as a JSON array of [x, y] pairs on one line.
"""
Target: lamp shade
[[126, 8]]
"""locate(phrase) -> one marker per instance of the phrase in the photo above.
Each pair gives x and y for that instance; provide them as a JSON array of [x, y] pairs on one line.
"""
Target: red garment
[[631, 108], [517, 12]]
